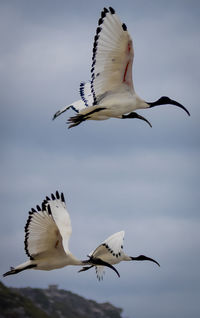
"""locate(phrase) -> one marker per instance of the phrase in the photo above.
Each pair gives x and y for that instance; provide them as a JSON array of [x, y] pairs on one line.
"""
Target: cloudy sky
[[116, 175]]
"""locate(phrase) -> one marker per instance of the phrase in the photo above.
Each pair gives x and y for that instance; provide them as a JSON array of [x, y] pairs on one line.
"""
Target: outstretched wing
[[112, 56], [109, 251], [61, 217], [86, 100], [76, 106], [43, 234]]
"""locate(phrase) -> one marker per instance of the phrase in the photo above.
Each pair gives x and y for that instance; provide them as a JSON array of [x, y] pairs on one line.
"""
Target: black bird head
[[144, 258], [164, 100]]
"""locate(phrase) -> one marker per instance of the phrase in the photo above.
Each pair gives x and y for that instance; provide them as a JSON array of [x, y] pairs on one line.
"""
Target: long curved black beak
[[164, 100], [144, 258]]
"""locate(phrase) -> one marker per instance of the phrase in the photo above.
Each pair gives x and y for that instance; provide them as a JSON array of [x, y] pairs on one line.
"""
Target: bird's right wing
[[48, 228], [42, 236]]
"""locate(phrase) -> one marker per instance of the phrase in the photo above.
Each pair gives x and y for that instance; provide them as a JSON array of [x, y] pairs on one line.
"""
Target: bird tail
[[79, 118], [18, 269]]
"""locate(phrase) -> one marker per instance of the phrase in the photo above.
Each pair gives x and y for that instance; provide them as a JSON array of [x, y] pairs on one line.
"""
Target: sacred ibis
[[111, 252], [47, 234], [110, 93]]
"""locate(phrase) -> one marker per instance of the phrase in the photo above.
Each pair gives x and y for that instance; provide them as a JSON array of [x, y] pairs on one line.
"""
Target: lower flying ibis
[[110, 93], [111, 252], [47, 234]]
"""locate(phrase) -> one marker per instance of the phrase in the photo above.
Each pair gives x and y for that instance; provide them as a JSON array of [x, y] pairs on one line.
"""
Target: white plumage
[[47, 233], [110, 93]]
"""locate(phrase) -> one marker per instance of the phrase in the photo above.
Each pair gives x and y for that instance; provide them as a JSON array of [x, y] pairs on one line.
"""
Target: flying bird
[[111, 252], [47, 234], [110, 92]]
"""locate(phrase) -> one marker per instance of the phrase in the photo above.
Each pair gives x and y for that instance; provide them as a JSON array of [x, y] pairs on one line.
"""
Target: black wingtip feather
[[57, 195], [124, 27], [38, 208], [27, 234], [98, 30], [100, 21], [49, 209], [103, 14], [62, 197], [96, 38], [112, 11], [53, 196]]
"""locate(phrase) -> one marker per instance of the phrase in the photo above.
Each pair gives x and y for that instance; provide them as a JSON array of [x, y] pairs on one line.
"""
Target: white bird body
[[110, 93], [112, 106], [50, 262]]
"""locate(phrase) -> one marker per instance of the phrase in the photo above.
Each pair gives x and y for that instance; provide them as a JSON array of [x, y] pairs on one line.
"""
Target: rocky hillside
[[51, 303]]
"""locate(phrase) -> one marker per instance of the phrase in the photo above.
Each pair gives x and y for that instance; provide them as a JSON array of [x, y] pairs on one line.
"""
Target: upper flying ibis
[[111, 252], [110, 93], [47, 234]]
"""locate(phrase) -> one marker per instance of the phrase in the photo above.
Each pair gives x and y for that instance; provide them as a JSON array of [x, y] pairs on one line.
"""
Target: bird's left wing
[[42, 236], [61, 217], [112, 56], [76, 106], [109, 251], [86, 100]]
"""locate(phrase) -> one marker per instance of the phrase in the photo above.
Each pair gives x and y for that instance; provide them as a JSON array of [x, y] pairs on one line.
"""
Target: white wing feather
[[48, 229], [61, 218], [42, 236], [112, 56], [109, 251], [76, 106]]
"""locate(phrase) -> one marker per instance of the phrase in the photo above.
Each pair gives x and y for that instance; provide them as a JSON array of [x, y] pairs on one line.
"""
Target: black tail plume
[[13, 270], [76, 120]]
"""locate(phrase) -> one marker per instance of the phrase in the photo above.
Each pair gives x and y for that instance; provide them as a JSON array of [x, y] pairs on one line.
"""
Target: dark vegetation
[[51, 303]]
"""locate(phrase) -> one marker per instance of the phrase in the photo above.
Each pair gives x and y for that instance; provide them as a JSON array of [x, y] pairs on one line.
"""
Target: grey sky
[[116, 175]]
